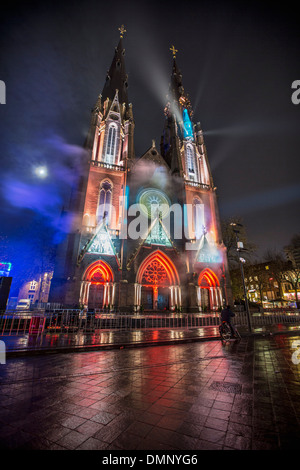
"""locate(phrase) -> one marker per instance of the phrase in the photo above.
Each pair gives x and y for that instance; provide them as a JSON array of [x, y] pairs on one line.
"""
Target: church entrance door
[[147, 298], [158, 279], [96, 296], [205, 304], [163, 299]]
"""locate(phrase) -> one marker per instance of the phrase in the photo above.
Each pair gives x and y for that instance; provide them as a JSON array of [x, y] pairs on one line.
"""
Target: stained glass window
[[155, 274], [154, 202], [191, 164], [111, 144], [104, 207]]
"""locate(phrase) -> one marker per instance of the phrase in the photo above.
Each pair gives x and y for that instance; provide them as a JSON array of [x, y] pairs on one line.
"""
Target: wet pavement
[[29, 344], [192, 395]]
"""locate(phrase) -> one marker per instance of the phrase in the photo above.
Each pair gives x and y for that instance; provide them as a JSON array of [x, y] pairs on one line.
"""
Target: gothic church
[[146, 233]]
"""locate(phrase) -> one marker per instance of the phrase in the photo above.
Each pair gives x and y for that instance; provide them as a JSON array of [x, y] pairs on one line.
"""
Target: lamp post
[[240, 247]]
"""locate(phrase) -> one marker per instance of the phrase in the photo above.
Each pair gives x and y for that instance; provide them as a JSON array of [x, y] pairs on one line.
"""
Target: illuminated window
[[191, 164], [111, 144], [155, 273], [154, 202], [104, 207]]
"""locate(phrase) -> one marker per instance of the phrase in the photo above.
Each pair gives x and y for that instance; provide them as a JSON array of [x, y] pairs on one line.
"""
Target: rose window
[[155, 273]]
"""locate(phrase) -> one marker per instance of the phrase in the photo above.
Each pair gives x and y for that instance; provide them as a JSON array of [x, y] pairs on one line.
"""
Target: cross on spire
[[173, 51], [122, 30]]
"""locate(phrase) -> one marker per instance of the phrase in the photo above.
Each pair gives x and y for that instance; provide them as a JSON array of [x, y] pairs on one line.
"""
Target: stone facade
[[146, 233]]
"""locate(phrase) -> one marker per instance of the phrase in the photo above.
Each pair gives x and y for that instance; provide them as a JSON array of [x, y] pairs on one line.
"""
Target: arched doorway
[[97, 286], [157, 286], [209, 291]]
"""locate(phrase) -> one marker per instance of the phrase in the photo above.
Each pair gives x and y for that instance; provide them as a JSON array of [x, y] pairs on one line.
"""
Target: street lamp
[[240, 247]]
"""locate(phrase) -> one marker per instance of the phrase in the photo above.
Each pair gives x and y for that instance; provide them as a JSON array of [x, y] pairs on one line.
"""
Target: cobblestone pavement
[[194, 396]]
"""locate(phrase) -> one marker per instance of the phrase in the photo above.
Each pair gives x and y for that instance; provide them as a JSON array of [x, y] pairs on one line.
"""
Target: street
[[194, 396]]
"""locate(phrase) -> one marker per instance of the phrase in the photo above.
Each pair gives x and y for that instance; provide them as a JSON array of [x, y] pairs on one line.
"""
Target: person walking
[[226, 315]]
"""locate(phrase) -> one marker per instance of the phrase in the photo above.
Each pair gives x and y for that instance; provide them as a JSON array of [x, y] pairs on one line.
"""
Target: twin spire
[[117, 78]]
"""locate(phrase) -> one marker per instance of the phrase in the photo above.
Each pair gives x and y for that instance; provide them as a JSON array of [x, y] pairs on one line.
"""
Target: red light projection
[[155, 273], [207, 278], [99, 272], [157, 269]]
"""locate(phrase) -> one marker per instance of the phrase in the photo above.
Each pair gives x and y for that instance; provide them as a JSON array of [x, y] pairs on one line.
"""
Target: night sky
[[238, 61]]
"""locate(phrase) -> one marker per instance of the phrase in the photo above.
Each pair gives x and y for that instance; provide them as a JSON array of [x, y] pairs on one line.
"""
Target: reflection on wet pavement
[[201, 395]]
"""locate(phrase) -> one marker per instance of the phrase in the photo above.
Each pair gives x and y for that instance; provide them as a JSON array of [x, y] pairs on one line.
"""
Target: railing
[[109, 166], [268, 318], [75, 321], [72, 321], [195, 184]]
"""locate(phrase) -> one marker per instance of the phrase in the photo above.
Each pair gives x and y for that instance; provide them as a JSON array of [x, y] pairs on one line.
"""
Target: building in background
[[269, 284], [36, 290], [5, 284], [146, 233]]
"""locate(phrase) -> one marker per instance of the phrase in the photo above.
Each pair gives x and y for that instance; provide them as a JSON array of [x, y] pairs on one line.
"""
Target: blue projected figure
[[187, 124]]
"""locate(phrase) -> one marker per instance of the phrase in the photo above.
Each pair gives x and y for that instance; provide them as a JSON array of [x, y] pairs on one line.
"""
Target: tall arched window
[[104, 207], [111, 144], [191, 164], [198, 217]]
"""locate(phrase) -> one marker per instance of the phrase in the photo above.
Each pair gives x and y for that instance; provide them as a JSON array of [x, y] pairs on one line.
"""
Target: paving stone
[[156, 398]]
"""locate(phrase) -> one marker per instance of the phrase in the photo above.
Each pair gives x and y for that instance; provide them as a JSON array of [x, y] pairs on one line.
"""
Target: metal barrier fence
[[268, 318], [72, 321]]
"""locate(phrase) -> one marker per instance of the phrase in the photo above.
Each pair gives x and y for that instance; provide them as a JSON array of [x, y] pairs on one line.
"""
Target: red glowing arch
[[168, 270], [208, 278], [98, 272]]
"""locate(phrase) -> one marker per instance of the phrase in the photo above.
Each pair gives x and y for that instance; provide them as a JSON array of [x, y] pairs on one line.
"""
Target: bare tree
[[230, 240], [277, 266], [292, 276]]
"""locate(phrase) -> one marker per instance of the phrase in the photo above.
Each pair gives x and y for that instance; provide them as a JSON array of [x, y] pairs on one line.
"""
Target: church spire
[[177, 93], [116, 78], [177, 112]]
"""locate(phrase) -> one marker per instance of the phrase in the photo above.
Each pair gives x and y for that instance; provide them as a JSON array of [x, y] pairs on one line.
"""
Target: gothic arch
[[98, 272], [111, 143], [97, 286], [191, 162], [208, 278], [209, 293], [160, 263], [157, 283], [104, 199]]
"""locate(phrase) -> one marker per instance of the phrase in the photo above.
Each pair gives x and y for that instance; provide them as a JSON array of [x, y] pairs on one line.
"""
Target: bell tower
[[97, 206], [183, 148]]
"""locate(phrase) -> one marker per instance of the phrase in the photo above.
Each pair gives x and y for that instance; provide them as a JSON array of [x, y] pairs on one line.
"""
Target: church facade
[[146, 232]]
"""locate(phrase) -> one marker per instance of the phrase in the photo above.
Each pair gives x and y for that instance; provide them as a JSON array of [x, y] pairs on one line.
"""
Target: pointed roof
[[207, 253], [154, 156], [101, 244], [177, 93], [116, 78], [176, 88], [157, 234]]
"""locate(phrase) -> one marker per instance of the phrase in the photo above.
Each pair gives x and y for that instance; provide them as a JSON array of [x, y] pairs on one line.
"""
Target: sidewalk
[[50, 343]]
